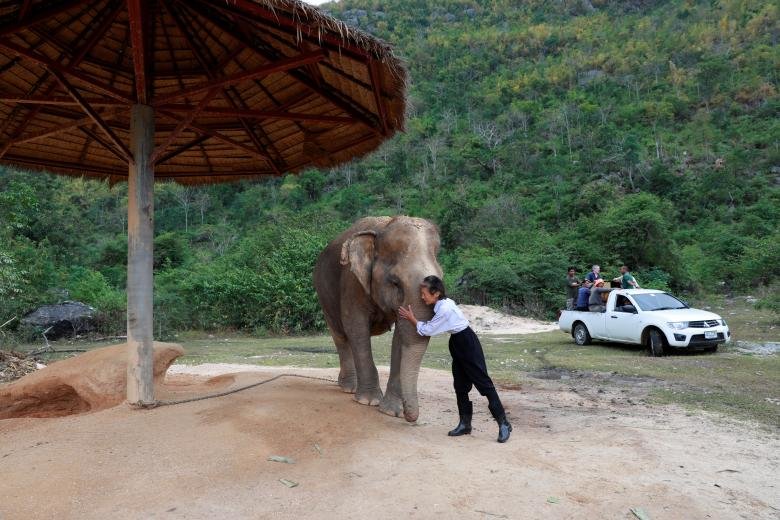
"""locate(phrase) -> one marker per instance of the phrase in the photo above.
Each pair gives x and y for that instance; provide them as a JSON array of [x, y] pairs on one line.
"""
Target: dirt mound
[[485, 320], [90, 381]]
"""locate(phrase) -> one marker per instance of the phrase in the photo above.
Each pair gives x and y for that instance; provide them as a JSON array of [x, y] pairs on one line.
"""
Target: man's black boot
[[498, 413], [464, 426]]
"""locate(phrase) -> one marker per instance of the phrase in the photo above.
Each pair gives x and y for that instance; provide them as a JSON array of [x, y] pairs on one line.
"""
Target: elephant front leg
[[367, 391], [347, 372], [392, 403]]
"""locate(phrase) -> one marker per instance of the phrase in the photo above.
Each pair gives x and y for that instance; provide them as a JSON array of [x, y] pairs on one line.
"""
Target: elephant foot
[[392, 405], [369, 397], [348, 384]]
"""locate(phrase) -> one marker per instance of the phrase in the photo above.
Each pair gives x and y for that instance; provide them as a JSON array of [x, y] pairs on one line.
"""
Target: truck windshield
[[658, 302]]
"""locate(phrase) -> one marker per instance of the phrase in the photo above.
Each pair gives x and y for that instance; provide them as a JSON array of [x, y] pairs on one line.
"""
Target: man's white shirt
[[447, 318]]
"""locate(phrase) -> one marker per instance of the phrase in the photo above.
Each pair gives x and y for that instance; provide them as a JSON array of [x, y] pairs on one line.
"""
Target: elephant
[[362, 277]]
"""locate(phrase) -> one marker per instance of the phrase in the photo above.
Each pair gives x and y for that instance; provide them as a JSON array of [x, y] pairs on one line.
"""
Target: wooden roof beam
[[259, 114], [43, 14], [55, 100], [220, 137], [291, 25], [93, 114], [204, 61], [54, 66], [96, 35], [184, 123], [24, 10], [61, 165], [373, 72], [183, 148], [137, 11], [92, 135], [360, 114], [264, 70]]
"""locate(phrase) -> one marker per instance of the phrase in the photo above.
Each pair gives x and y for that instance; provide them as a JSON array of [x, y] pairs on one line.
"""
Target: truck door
[[622, 321]]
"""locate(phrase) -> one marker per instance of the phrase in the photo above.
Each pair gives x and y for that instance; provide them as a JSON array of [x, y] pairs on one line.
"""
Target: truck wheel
[[655, 343], [581, 334]]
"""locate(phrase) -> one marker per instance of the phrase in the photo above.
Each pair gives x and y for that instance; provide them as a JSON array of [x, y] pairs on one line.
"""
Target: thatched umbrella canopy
[[198, 91]]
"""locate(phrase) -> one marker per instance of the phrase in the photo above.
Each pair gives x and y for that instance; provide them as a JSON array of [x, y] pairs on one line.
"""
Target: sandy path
[[569, 457], [485, 320]]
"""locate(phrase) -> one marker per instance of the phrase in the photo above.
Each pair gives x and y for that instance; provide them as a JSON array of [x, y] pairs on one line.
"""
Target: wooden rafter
[[264, 70], [259, 114], [53, 66], [184, 123], [137, 11], [183, 148], [61, 165], [43, 14], [24, 10], [55, 100], [94, 115], [96, 35], [359, 113], [212, 75], [257, 13], [95, 137], [220, 137], [374, 74]]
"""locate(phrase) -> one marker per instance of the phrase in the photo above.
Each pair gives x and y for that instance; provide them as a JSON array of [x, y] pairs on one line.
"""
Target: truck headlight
[[678, 325]]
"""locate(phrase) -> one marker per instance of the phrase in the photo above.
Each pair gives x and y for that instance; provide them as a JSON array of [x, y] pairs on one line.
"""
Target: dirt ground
[[573, 454]]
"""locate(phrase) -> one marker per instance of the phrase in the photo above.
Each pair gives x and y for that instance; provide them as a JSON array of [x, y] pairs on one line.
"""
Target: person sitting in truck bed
[[582, 295], [595, 303]]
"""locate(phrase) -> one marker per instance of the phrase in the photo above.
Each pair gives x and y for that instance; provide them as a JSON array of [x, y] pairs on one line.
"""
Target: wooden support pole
[[140, 237]]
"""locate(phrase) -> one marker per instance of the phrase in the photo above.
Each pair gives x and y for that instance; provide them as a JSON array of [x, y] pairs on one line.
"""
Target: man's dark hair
[[571, 268], [627, 269], [434, 284]]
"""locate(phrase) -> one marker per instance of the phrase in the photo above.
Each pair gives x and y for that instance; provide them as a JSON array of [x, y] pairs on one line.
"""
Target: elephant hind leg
[[347, 373]]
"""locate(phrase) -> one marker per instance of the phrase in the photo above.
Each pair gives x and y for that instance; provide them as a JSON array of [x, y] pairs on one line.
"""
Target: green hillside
[[541, 134]]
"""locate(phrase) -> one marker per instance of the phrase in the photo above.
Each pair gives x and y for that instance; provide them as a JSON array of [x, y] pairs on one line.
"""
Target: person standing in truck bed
[[572, 284], [626, 279]]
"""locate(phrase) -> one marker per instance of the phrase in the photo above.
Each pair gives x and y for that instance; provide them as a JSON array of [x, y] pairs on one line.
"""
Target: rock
[[65, 319], [470, 12], [449, 17], [88, 382]]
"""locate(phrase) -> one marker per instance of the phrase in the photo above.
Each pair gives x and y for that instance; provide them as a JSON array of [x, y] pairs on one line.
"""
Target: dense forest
[[540, 134]]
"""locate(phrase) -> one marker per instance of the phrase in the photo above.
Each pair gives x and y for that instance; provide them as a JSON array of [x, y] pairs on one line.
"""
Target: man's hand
[[407, 314]]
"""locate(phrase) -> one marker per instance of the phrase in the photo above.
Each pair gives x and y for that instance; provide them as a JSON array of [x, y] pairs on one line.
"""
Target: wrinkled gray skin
[[361, 278]]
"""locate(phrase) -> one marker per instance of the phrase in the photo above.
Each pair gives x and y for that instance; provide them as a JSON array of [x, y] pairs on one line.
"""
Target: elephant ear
[[358, 253]]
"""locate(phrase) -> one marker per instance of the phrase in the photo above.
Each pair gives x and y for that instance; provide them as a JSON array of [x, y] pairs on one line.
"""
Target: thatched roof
[[240, 88]]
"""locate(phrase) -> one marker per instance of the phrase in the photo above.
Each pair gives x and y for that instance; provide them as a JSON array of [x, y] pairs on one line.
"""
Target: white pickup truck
[[647, 317]]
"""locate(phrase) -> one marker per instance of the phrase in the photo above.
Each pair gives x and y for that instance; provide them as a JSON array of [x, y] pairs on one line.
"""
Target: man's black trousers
[[469, 369]]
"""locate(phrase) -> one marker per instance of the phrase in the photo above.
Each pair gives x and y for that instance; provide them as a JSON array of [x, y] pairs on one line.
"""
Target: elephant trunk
[[413, 349]]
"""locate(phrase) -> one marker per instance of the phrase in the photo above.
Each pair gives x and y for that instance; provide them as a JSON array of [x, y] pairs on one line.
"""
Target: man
[[595, 303], [583, 294], [626, 279], [572, 284], [594, 274]]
